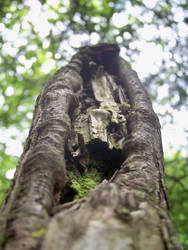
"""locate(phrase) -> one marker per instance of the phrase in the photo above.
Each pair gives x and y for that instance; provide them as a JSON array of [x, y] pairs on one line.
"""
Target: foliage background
[[38, 37]]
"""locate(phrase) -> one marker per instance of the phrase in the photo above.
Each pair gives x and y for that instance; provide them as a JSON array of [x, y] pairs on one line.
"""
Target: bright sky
[[149, 60]]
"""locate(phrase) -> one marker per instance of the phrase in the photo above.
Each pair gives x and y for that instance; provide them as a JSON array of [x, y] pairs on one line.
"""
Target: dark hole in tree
[[103, 162], [67, 194], [110, 159]]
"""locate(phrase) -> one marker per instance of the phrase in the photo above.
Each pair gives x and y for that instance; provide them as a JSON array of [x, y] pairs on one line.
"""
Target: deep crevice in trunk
[[101, 165], [87, 149]]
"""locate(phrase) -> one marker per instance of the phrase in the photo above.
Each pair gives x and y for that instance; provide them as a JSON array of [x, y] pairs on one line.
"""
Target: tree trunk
[[91, 175]]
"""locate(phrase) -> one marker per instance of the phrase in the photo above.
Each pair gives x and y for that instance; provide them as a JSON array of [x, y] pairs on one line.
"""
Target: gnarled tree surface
[[91, 175]]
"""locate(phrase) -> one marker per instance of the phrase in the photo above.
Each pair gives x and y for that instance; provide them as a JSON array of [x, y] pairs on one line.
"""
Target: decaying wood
[[93, 114]]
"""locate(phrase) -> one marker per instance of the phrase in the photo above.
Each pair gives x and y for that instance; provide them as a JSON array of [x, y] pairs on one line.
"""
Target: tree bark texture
[[93, 129]]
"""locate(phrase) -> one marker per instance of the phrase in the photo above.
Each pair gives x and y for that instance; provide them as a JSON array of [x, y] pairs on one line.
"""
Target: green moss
[[3, 241], [105, 107], [125, 105], [38, 233], [84, 183], [76, 113], [78, 131], [116, 146]]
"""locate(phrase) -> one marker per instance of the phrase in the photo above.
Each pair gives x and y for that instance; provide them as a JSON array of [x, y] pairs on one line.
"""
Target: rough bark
[[93, 126]]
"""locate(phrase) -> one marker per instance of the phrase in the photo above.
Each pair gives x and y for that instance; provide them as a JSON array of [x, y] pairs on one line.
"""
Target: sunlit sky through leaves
[[147, 61]]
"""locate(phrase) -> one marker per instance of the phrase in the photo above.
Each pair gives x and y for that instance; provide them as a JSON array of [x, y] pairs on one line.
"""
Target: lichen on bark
[[92, 171]]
